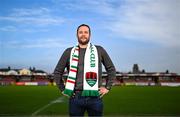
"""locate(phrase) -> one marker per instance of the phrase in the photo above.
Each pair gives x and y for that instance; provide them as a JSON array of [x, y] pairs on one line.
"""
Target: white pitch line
[[58, 100]]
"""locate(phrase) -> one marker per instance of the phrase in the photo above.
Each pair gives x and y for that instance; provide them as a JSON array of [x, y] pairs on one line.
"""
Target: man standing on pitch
[[84, 82]]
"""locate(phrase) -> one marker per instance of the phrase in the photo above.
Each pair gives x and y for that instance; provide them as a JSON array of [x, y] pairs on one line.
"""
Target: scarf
[[90, 76]]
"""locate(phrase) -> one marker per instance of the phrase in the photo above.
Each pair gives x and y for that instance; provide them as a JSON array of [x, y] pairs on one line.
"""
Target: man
[[84, 82]]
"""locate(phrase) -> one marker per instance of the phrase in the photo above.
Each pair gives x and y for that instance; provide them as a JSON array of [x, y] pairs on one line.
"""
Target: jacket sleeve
[[59, 70], [109, 66]]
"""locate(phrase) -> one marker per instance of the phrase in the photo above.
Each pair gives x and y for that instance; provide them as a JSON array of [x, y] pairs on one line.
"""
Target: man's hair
[[84, 25]]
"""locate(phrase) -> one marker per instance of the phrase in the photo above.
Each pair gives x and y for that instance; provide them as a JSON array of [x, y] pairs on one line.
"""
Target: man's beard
[[83, 42]]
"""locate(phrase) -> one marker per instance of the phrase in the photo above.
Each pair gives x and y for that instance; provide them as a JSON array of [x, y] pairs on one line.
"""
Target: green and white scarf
[[90, 77]]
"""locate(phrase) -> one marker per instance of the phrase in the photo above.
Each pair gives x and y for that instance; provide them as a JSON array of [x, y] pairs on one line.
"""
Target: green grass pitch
[[120, 101]]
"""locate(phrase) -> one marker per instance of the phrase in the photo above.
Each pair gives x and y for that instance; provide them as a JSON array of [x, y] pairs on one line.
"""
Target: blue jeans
[[79, 104]]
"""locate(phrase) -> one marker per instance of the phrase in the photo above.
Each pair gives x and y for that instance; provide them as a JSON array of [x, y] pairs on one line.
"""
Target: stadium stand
[[32, 76]]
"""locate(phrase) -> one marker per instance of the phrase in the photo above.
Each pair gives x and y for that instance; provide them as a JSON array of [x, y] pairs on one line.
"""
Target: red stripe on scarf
[[70, 81], [73, 70], [75, 59], [77, 49]]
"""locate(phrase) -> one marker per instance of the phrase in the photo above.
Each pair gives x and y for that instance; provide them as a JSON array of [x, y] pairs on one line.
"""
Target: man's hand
[[65, 94], [103, 91]]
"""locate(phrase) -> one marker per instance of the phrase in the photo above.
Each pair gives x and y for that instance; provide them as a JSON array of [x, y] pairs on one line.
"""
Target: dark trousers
[[79, 104]]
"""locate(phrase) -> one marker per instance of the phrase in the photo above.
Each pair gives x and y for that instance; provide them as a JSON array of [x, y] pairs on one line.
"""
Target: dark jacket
[[64, 63]]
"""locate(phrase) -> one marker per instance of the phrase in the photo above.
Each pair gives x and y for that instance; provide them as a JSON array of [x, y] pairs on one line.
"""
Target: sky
[[35, 33]]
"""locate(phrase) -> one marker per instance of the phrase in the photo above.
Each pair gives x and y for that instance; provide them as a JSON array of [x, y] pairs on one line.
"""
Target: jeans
[[79, 104]]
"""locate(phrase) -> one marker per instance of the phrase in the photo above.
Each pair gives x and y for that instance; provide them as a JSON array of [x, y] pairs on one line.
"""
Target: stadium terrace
[[33, 76]]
